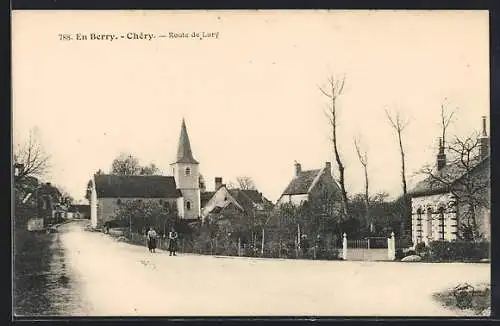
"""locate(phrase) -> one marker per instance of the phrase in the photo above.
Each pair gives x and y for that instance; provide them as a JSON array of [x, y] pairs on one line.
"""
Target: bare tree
[[245, 183], [333, 91], [465, 182], [446, 119], [231, 185], [363, 159], [31, 157], [398, 123]]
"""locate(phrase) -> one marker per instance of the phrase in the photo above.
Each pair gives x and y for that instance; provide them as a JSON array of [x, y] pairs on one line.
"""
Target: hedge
[[458, 251]]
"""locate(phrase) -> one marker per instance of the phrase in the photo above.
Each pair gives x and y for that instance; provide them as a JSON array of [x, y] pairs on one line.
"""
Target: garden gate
[[369, 249]]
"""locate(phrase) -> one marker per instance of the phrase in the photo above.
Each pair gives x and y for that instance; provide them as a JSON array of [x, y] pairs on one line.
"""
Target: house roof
[[451, 172], [136, 186], [184, 153], [205, 197], [249, 198], [301, 183], [48, 189]]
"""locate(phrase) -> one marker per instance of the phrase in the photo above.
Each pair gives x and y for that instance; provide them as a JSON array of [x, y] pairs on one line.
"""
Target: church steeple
[[184, 153]]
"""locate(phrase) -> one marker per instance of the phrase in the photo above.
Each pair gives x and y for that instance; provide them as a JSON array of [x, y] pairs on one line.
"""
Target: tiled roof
[[451, 173], [248, 198], [301, 183], [136, 186]]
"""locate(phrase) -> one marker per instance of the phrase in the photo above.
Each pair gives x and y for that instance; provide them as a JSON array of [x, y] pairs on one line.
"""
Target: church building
[[181, 189]]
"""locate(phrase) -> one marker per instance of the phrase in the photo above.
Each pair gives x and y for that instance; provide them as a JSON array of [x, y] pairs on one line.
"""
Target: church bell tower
[[186, 175]]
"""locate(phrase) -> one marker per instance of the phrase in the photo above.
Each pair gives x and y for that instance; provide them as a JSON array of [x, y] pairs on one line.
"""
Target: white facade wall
[[430, 222], [189, 185]]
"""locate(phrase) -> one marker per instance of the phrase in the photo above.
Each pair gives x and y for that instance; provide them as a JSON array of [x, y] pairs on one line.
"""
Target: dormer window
[[188, 171]]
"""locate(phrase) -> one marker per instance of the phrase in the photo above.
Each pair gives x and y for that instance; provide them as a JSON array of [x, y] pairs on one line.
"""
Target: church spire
[[184, 153]]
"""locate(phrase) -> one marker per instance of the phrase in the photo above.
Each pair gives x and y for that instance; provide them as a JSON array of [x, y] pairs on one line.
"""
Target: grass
[[32, 257], [477, 301]]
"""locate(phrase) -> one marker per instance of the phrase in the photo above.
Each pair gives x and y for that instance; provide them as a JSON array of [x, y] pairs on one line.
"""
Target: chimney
[[298, 168], [328, 167], [484, 141], [218, 183], [441, 157]]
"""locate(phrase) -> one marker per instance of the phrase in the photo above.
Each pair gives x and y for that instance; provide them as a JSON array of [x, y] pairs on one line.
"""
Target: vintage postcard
[[251, 163]]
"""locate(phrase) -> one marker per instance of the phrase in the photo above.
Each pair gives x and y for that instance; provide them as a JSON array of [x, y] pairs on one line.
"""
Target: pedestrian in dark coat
[[172, 242]]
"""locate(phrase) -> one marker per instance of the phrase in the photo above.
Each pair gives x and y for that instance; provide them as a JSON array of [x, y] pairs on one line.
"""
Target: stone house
[[309, 184], [181, 189], [437, 207]]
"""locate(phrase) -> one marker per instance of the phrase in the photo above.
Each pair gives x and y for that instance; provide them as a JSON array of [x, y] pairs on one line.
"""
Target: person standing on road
[[172, 245], [151, 240]]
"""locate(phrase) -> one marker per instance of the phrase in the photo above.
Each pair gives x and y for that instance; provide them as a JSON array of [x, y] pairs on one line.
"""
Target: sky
[[250, 97]]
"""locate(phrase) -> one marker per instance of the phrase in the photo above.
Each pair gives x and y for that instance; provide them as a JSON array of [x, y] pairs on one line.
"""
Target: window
[[188, 171], [161, 201], [441, 223], [419, 225], [118, 201], [188, 205], [429, 223]]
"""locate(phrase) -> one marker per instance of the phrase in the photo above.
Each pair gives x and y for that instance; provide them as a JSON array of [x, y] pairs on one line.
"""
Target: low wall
[[367, 254]]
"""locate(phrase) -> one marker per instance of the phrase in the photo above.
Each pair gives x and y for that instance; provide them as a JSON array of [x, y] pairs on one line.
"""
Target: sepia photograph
[[180, 163]]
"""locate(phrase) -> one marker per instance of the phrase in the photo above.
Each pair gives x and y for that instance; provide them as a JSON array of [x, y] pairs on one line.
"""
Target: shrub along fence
[[458, 251], [328, 250]]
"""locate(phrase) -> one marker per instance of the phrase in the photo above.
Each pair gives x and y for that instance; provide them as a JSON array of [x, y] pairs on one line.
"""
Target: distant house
[[79, 211], [182, 188], [435, 212], [227, 203], [49, 203], [309, 184]]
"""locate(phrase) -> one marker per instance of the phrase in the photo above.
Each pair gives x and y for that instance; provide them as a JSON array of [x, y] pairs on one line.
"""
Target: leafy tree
[[125, 164], [140, 215], [128, 164], [150, 169]]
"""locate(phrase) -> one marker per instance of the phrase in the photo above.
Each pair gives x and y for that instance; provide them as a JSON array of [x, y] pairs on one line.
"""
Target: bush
[[459, 250]]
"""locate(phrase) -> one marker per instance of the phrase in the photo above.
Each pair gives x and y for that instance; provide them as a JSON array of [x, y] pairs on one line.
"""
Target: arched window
[[118, 201], [429, 223], [419, 225], [441, 223], [188, 205], [188, 171]]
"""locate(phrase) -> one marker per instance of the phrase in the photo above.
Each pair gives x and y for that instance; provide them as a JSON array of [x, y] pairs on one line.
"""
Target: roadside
[[42, 282]]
